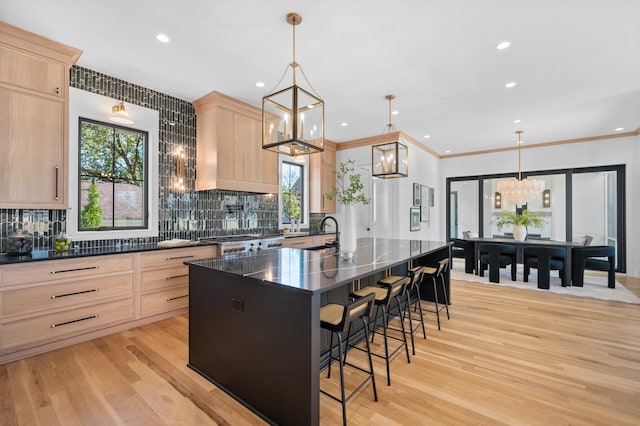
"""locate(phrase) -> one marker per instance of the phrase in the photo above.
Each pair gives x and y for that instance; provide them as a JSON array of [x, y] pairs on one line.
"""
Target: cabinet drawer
[[162, 278], [324, 239], [175, 257], [298, 242], [45, 271], [30, 72], [165, 301], [61, 295], [73, 321]]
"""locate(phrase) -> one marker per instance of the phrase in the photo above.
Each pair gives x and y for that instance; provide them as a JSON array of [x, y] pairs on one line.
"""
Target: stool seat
[[331, 315], [379, 292], [434, 273]]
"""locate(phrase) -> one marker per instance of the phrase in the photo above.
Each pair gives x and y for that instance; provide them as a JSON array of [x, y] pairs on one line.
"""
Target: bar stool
[[413, 288], [337, 319], [434, 274], [390, 290]]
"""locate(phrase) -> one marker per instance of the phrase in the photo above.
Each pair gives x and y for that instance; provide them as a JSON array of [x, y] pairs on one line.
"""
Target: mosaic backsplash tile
[[182, 214]]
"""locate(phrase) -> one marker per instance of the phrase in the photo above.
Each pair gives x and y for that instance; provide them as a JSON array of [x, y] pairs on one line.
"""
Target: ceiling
[[576, 62]]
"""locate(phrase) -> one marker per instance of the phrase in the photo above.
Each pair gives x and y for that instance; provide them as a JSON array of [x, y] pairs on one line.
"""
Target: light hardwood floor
[[507, 356]]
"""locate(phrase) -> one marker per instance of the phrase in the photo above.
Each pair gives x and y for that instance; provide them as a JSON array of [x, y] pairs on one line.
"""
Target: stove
[[232, 244]]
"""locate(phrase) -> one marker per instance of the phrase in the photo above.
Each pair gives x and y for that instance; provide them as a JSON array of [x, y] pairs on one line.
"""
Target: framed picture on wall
[[417, 194], [414, 219]]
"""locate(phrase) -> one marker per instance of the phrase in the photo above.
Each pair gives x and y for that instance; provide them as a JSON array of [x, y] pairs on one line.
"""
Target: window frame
[[145, 186], [304, 214], [97, 107]]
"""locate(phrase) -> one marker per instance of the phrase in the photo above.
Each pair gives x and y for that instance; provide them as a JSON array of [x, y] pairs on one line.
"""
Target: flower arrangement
[[526, 219], [349, 188]]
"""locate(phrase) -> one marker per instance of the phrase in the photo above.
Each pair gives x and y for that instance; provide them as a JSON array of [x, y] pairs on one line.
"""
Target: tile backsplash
[[182, 214]]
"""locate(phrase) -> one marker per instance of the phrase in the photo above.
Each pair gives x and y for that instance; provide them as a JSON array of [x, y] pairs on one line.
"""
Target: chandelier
[[293, 118], [390, 159], [520, 191]]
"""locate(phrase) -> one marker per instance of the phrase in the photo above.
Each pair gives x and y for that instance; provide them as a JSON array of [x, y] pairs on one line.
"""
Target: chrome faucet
[[337, 244]]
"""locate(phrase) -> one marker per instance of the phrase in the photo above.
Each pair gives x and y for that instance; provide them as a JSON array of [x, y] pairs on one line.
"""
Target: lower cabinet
[[54, 303], [164, 279], [309, 241]]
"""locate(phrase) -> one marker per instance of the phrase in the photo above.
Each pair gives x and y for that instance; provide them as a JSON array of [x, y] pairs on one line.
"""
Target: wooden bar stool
[[390, 290], [434, 274], [337, 319], [412, 293]]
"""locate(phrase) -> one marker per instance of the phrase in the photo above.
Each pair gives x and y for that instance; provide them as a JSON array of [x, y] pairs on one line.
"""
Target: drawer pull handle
[[75, 293], [57, 174], [73, 270], [72, 321], [177, 297], [177, 276], [180, 257]]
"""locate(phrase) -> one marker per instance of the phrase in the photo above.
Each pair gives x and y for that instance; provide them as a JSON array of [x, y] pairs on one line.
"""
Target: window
[[294, 185], [112, 177], [93, 111]]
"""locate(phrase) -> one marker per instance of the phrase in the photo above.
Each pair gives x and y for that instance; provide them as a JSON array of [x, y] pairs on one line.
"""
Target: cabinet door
[[30, 72], [224, 142], [322, 178], [248, 155], [32, 165]]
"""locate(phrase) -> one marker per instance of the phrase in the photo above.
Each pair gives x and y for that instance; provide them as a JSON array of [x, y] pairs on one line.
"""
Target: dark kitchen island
[[254, 319]]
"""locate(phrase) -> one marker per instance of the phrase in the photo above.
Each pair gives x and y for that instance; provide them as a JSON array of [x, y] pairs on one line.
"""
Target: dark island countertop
[[320, 270]]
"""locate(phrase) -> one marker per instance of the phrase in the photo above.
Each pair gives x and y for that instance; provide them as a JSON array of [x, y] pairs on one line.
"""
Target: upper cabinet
[[34, 89], [229, 147], [322, 178]]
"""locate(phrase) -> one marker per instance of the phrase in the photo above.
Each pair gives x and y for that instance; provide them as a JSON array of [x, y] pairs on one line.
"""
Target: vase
[[519, 232], [348, 241]]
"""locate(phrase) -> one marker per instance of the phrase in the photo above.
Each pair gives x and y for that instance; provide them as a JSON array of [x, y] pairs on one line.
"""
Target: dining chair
[[496, 256], [545, 259], [462, 249], [598, 258]]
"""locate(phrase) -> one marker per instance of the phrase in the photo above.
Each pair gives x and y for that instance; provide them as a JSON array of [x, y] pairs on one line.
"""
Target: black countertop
[[321, 270], [38, 255]]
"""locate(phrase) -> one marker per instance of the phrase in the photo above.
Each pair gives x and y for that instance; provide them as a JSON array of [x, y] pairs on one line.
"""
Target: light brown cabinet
[[164, 279], [308, 241], [45, 301], [34, 88], [321, 179], [229, 151], [53, 303]]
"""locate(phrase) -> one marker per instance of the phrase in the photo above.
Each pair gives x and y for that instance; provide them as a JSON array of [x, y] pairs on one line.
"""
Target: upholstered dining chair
[[463, 249], [598, 258], [545, 259], [496, 256]]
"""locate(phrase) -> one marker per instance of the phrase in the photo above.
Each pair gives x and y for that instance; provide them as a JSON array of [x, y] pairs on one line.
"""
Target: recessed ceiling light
[[260, 84], [510, 85], [427, 136], [448, 151], [163, 38], [516, 121], [503, 45], [344, 124], [619, 129], [395, 112]]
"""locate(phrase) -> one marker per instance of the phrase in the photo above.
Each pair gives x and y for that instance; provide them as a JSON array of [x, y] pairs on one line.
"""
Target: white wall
[[394, 197]]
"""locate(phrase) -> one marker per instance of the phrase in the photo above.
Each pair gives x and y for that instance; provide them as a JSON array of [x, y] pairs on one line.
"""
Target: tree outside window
[[292, 192], [113, 169]]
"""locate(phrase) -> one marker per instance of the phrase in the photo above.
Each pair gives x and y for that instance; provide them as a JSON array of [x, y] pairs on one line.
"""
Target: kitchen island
[[254, 319]]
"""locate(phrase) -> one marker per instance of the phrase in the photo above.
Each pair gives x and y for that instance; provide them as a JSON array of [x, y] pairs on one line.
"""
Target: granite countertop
[[321, 270], [38, 255]]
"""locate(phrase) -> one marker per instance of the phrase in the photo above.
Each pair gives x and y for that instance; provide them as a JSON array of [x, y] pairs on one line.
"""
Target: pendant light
[[390, 159], [520, 191], [293, 118]]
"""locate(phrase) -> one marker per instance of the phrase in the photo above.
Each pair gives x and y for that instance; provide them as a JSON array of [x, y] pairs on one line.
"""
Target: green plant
[[92, 211], [527, 219], [291, 204], [349, 188]]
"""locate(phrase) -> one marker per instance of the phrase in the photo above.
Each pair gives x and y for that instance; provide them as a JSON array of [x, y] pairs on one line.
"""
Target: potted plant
[[348, 191], [520, 223]]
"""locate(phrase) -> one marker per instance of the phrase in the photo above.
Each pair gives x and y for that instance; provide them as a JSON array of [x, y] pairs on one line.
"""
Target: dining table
[[520, 245]]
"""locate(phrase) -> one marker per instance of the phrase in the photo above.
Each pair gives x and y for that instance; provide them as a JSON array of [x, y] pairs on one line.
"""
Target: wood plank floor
[[507, 356]]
